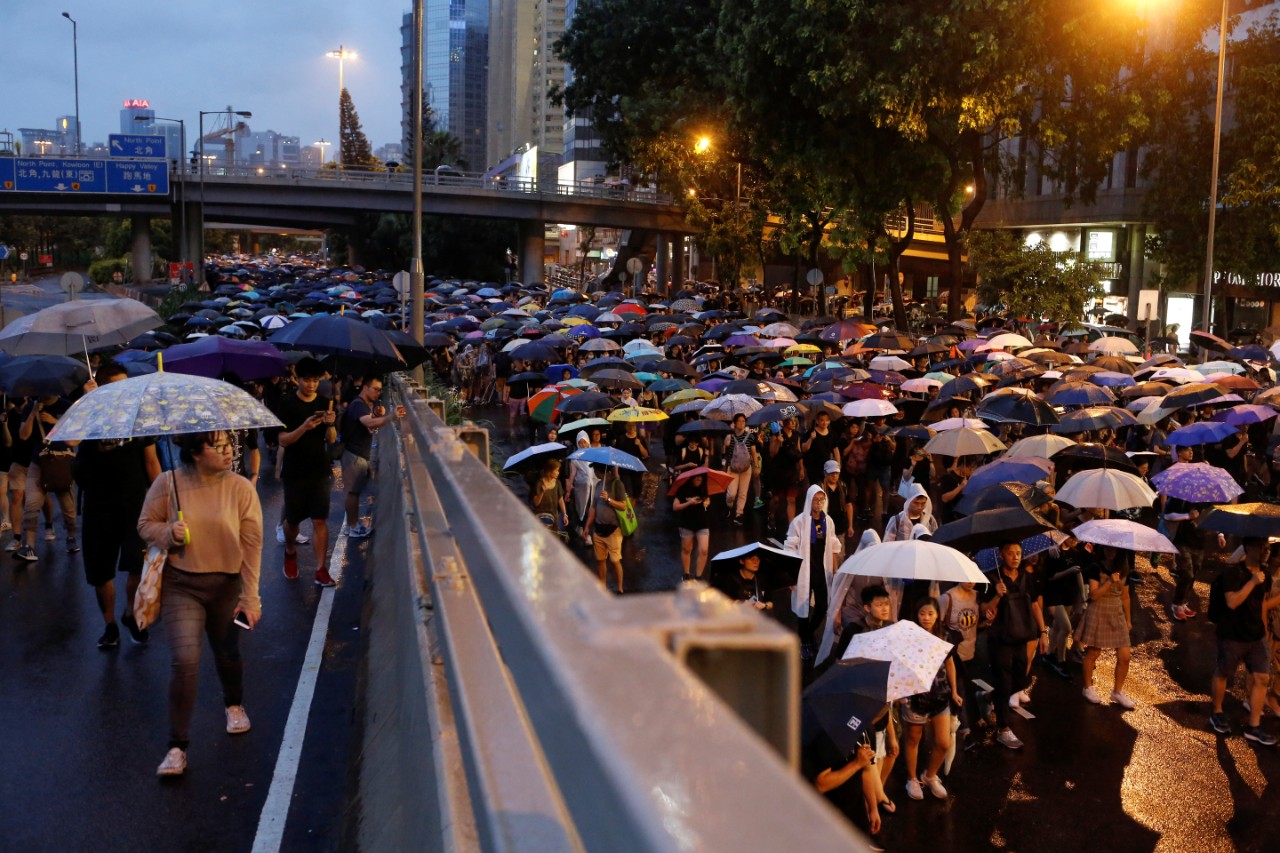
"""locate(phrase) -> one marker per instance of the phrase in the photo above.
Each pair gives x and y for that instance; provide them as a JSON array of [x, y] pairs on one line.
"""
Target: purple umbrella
[[1197, 482], [988, 558], [1205, 432], [713, 385], [1241, 416], [741, 341], [216, 356], [1124, 534]]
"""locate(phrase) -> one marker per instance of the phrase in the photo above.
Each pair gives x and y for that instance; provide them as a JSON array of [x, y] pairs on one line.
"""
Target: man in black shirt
[[1242, 638], [309, 423], [743, 583], [364, 414]]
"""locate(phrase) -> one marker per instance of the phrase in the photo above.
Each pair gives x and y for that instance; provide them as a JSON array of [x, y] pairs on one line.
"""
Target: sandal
[[888, 806]]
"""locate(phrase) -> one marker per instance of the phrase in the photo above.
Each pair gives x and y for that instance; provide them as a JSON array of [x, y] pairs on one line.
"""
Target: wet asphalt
[[1089, 777]]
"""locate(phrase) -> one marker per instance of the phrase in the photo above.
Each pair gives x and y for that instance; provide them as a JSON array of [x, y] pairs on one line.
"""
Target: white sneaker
[[12, 545], [1122, 699], [1092, 695], [1009, 739], [49, 535], [1024, 697], [174, 764], [914, 791], [237, 720], [279, 534], [301, 538], [1015, 700], [934, 784]]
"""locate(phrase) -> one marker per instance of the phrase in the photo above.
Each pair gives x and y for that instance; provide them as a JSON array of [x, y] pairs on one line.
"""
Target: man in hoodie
[[917, 510], [813, 535]]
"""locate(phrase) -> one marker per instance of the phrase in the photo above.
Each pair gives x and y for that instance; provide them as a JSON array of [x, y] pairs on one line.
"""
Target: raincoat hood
[[901, 526]]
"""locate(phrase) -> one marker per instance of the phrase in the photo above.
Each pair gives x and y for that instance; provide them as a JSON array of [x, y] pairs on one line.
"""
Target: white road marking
[[275, 811]]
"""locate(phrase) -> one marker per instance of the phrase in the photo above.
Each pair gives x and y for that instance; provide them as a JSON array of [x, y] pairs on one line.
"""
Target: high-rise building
[[455, 57], [583, 158], [523, 70], [137, 117]]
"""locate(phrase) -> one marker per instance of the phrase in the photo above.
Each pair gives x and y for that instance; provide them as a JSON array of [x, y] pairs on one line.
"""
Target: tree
[[1032, 281], [354, 149]]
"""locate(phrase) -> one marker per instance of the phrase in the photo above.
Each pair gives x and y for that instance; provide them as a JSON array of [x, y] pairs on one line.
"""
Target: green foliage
[[451, 245], [1032, 281], [356, 153], [101, 271]]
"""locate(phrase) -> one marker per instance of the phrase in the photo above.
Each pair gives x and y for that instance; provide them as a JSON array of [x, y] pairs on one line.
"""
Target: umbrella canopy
[[717, 481], [869, 409], [914, 559], [990, 525], [1124, 534], [161, 404], [637, 414], [1027, 470], [1204, 432], [1100, 488], [775, 412], [80, 326], [704, 425], [1197, 482], [913, 653], [1040, 446], [1093, 455], [1080, 394], [42, 375], [1093, 418], [1016, 408], [842, 702], [1000, 495], [778, 568], [1123, 346], [609, 456], [964, 442], [216, 356], [1192, 394], [537, 453], [729, 406], [584, 403], [357, 346], [1253, 519]]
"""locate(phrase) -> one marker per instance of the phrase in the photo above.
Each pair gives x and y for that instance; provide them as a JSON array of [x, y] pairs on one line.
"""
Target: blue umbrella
[[1080, 394], [1111, 379], [583, 332], [1205, 432], [1245, 415], [1197, 482], [1027, 470], [988, 558], [609, 456], [551, 448], [555, 373]]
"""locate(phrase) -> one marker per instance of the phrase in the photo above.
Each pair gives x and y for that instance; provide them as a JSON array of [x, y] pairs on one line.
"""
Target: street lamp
[[342, 55], [322, 144], [75, 55], [1213, 177], [182, 185], [229, 113], [44, 145]]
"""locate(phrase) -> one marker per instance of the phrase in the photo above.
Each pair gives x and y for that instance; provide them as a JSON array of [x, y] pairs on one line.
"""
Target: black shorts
[[307, 498], [111, 544]]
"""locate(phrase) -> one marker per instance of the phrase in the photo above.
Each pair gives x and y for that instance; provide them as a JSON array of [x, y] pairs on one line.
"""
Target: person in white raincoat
[[813, 535], [846, 598], [918, 509]]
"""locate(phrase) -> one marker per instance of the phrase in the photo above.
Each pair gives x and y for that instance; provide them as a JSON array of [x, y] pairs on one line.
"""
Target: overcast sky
[[185, 56]]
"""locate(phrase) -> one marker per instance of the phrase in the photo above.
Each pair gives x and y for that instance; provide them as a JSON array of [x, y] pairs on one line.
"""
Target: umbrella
[[704, 425], [611, 378], [1193, 394], [1027, 470], [1100, 488], [1124, 534], [1079, 394], [990, 525], [1113, 344], [1197, 482], [357, 346], [778, 568], [161, 404], [842, 702], [846, 330], [637, 414], [79, 326], [1008, 340], [923, 385], [959, 423], [217, 356], [1016, 408], [1000, 495], [1040, 446], [1093, 455], [869, 409], [964, 442], [729, 406], [914, 559], [913, 653], [685, 396], [1210, 341], [536, 453], [988, 559], [586, 402], [609, 456], [42, 375], [1093, 418], [1240, 416], [1251, 520], [717, 481], [775, 412], [1204, 432]]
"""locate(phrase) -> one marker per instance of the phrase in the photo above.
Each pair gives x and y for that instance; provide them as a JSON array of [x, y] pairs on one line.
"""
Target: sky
[[184, 56]]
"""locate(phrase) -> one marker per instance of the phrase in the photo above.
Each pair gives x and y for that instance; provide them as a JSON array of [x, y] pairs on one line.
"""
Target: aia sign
[[136, 104]]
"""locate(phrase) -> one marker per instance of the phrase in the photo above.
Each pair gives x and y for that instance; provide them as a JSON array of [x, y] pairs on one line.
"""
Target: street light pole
[[1213, 177], [182, 186], [342, 55], [322, 144], [417, 276], [75, 58], [200, 243]]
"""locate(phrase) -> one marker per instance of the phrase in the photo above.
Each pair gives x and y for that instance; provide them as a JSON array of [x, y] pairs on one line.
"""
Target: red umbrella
[[629, 308], [717, 481]]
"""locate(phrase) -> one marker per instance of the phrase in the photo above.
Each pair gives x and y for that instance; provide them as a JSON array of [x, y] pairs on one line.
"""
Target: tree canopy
[[355, 151], [1032, 281]]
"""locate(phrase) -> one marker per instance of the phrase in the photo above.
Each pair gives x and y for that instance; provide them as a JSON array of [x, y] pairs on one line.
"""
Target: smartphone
[[241, 621]]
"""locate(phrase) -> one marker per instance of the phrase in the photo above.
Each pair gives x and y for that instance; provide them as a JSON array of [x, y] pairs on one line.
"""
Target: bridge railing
[[518, 706], [436, 178]]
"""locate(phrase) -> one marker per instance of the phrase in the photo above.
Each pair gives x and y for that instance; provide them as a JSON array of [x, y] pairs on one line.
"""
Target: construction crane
[[225, 135]]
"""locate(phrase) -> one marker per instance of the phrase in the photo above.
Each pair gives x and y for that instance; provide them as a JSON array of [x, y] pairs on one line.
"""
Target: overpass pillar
[[533, 251], [662, 262], [140, 248], [195, 241], [678, 263]]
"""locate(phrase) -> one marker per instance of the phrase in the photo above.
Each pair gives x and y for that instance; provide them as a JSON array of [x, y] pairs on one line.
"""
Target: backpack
[[740, 455], [1218, 599]]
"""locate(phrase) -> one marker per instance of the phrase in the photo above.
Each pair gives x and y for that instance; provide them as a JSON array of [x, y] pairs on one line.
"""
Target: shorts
[[689, 534], [307, 498], [111, 544], [921, 712], [18, 474], [355, 472], [609, 547], [1254, 653]]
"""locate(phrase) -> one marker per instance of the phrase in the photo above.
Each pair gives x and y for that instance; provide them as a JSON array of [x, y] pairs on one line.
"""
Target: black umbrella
[[410, 350], [586, 402], [1249, 520], [842, 703], [1093, 455], [704, 425], [533, 352], [1093, 418], [357, 347], [42, 375], [1002, 495], [1016, 408], [776, 412], [616, 379], [990, 527], [889, 340], [675, 367]]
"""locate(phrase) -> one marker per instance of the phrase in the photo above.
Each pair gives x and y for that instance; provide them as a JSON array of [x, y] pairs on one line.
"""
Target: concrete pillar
[[195, 241], [533, 249], [662, 261], [140, 248], [1137, 235], [678, 264]]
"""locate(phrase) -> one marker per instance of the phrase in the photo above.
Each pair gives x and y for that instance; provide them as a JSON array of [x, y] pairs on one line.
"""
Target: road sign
[[814, 277], [138, 177], [46, 260], [72, 282], [400, 281], [135, 145], [58, 175], [6, 173], [23, 256], [634, 266], [4, 253]]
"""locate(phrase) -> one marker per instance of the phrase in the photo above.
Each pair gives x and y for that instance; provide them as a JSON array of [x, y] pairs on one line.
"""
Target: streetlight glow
[[342, 55], [702, 145]]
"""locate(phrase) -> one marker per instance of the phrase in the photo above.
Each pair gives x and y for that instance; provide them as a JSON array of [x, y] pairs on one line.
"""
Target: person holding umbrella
[[740, 460], [548, 494], [582, 481], [931, 708], [603, 529], [1012, 608], [40, 418], [1107, 622], [692, 506], [813, 535]]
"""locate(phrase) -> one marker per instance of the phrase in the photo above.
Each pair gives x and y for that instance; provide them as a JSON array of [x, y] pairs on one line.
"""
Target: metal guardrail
[[584, 721]]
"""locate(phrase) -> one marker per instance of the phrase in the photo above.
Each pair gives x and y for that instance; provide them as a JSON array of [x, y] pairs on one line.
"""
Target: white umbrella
[[889, 362], [1121, 346], [1039, 446], [965, 441], [726, 408], [913, 653], [1008, 340], [1181, 375], [69, 328], [515, 342], [608, 317], [922, 385], [1100, 488], [914, 559], [959, 423], [869, 409], [1124, 534]]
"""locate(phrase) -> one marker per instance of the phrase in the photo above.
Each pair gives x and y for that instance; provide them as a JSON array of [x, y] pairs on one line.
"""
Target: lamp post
[[200, 245], [1213, 177], [75, 57], [322, 144], [182, 185], [342, 55], [417, 276]]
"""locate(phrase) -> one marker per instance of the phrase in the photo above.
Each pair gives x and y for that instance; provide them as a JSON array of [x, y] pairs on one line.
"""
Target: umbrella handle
[[186, 540]]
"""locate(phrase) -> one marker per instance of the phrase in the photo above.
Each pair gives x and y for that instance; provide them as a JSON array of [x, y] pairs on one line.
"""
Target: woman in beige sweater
[[215, 553]]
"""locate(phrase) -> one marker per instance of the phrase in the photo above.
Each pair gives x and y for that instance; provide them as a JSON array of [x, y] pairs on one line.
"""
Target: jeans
[[1190, 559], [1009, 672], [195, 603], [739, 491]]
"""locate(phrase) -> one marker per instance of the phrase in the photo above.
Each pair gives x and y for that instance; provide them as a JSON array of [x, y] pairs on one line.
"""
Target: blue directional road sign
[[58, 175], [7, 172], [138, 177], [135, 145], [4, 252]]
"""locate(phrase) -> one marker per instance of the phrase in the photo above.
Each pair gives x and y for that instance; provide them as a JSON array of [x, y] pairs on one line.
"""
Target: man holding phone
[[1242, 638], [309, 425], [364, 414]]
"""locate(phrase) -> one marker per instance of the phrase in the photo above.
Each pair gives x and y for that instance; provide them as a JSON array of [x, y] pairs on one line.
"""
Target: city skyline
[[199, 66]]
